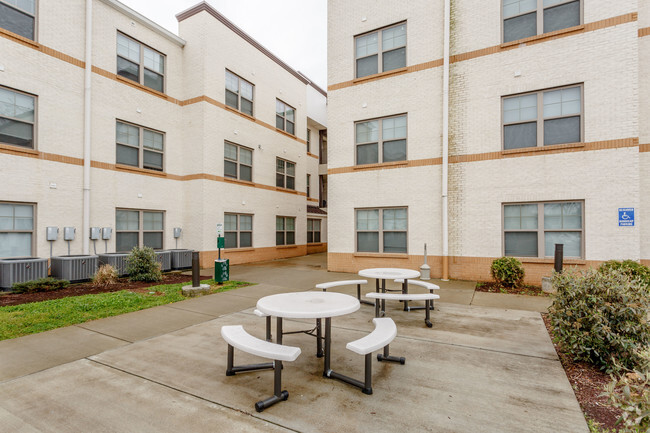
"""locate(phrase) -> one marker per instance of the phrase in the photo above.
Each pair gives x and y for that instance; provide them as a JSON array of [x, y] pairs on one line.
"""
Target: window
[[238, 230], [524, 18], [285, 230], [237, 162], [139, 147], [17, 118], [134, 228], [239, 93], [16, 229], [381, 140], [533, 229], [285, 174], [308, 141], [18, 16], [382, 230], [543, 118], [308, 185], [380, 51], [285, 117], [140, 63], [313, 231]]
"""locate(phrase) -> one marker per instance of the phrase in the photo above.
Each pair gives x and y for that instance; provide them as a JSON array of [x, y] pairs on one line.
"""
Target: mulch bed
[[88, 289], [588, 383], [492, 287]]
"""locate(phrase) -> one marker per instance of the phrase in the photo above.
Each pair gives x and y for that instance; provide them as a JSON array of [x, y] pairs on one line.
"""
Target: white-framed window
[[525, 18], [533, 229], [285, 174], [285, 117], [543, 118], [140, 63], [308, 140], [381, 140], [237, 162], [382, 230], [313, 230], [16, 229], [238, 230], [17, 118], [308, 185], [380, 50], [138, 228], [139, 146], [239, 93], [19, 16], [285, 230]]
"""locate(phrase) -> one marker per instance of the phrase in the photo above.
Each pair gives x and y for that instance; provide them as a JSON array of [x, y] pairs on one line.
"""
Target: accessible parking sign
[[626, 217]]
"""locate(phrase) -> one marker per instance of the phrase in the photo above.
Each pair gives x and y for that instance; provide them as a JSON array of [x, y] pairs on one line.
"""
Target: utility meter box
[[68, 233], [177, 232], [107, 232], [52, 233], [95, 233]]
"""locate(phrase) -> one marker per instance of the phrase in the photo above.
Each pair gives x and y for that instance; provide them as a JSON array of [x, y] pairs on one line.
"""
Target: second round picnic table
[[389, 273]]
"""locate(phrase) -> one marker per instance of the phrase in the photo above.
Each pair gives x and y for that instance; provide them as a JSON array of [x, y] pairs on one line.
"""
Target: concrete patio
[[479, 369]]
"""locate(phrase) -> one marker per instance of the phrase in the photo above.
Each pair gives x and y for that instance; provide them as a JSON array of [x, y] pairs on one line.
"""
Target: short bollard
[[196, 289], [559, 256]]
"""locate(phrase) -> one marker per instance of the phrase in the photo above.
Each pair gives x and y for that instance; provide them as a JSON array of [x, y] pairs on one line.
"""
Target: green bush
[[601, 318], [631, 394], [142, 265], [629, 267], [42, 285], [507, 271]]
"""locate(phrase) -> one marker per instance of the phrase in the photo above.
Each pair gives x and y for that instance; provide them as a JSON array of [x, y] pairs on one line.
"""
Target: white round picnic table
[[389, 273]]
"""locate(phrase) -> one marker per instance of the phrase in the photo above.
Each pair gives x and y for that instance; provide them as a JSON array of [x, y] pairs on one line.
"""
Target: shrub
[[507, 271], [42, 285], [631, 394], [629, 267], [142, 265], [601, 318], [105, 276]]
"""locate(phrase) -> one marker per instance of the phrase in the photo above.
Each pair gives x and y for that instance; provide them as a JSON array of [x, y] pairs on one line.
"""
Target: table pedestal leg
[[278, 330], [383, 301], [328, 346], [319, 339], [405, 290]]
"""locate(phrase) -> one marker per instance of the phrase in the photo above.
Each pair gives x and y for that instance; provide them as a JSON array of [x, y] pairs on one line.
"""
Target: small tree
[[142, 265], [507, 271]]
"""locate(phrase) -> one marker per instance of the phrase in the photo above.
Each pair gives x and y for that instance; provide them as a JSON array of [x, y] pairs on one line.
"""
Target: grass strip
[[25, 319]]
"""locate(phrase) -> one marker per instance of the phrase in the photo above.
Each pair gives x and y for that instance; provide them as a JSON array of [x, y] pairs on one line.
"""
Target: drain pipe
[[445, 146], [87, 101]]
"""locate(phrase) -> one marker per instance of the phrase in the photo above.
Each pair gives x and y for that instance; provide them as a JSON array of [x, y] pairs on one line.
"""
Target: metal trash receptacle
[[221, 270]]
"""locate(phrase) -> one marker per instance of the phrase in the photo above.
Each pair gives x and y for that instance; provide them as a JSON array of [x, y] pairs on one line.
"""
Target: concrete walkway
[[487, 365]]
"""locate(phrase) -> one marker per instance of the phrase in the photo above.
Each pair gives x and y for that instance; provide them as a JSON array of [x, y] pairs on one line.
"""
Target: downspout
[[87, 87], [445, 145]]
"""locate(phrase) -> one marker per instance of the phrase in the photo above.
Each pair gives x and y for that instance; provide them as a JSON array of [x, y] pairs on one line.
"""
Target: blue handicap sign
[[626, 217]]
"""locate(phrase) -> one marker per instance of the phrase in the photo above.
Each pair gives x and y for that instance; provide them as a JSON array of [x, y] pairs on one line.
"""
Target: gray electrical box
[[68, 233], [106, 233], [52, 233], [95, 233], [177, 232]]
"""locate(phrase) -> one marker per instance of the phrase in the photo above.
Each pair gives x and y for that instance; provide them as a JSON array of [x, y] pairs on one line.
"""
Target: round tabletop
[[308, 305], [389, 273]]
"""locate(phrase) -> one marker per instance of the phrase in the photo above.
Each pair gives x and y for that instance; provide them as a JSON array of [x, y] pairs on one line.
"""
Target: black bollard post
[[559, 255], [195, 269]]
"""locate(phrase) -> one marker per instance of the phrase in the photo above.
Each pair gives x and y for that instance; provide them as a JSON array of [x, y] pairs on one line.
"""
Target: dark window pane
[[127, 155], [245, 173], [152, 160], [291, 238], [247, 107], [291, 182], [520, 27], [124, 242], [245, 239], [565, 130], [395, 242], [17, 22], [367, 154], [394, 151], [232, 100], [153, 80], [394, 59], [368, 242], [562, 17], [19, 133], [153, 240], [230, 169], [521, 244], [279, 238], [290, 127], [317, 237], [128, 69], [520, 135], [279, 180], [279, 122], [230, 240], [310, 237], [367, 66]]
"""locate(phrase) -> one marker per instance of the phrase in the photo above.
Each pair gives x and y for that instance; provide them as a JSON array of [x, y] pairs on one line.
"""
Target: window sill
[[140, 86], [314, 200], [286, 247], [550, 261], [380, 75], [292, 191], [382, 255], [239, 181], [18, 149], [283, 132], [315, 244], [20, 38], [542, 149], [241, 113], [543, 36], [239, 250], [380, 165], [312, 155], [122, 167]]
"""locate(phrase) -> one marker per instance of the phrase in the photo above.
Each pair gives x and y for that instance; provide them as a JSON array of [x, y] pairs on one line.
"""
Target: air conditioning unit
[[181, 259], [165, 260], [74, 268], [21, 270], [116, 260]]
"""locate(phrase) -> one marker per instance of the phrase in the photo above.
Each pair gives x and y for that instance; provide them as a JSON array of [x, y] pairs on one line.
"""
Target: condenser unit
[[116, 260], [21, 270], [165, 260], [181, 259], [74, 268]]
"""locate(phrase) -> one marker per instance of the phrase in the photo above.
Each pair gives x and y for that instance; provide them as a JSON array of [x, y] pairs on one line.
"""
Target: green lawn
[[25, 319]]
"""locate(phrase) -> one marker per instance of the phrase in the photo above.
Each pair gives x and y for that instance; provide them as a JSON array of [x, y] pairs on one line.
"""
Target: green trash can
[[221, 270]]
